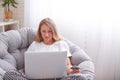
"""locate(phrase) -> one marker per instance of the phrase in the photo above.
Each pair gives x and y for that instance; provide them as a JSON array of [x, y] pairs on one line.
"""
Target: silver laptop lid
[[44, 65]]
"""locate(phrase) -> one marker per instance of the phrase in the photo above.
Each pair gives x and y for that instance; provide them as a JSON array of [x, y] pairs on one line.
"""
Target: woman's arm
[[69, 65]]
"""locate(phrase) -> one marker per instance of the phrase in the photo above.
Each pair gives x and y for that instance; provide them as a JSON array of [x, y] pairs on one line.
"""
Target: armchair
[[14, 43]]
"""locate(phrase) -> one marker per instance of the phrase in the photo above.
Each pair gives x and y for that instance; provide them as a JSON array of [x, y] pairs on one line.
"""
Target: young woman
[[48, 39]]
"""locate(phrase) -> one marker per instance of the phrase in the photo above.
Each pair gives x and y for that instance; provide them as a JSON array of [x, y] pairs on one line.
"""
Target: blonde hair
[[49, 22]]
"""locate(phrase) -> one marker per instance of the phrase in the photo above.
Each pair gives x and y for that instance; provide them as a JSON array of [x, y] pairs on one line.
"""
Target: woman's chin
[[48, 42]]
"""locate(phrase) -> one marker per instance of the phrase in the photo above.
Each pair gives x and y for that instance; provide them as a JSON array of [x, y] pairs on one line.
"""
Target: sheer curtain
[[94, 25]]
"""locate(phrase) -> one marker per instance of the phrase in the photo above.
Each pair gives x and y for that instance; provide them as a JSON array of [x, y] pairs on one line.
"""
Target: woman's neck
[[49, 42]]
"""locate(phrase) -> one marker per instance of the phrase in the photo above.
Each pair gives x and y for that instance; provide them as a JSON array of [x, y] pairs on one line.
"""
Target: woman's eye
[[43, 31], [49, 31]]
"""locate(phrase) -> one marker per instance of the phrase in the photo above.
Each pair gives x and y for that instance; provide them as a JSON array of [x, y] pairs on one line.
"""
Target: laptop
[[45, 65]]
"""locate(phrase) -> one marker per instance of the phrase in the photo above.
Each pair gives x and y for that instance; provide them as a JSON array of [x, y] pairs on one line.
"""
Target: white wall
[[94, 25], [18, 13]]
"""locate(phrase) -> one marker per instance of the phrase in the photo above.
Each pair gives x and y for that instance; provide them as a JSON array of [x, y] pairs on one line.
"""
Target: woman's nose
[[46, 34]]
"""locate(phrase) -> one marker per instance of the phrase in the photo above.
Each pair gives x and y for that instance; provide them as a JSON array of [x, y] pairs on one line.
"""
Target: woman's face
[[47, 34]]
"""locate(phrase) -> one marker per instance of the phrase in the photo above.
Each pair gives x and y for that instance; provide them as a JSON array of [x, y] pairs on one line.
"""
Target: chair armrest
[[87, 69]]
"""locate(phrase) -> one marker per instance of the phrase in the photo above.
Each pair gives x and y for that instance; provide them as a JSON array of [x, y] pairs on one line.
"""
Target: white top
[[56, 46]]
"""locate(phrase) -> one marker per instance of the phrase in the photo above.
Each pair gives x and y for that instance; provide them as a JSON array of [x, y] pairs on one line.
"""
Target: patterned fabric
[[1, 77], [14, 75], [74, 77]]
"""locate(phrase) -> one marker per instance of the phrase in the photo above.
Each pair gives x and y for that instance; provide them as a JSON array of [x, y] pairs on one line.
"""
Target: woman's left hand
[[72, 71]]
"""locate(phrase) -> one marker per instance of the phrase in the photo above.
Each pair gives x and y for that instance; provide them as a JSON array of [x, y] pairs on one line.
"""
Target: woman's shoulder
[[35, 43], [61, 42]]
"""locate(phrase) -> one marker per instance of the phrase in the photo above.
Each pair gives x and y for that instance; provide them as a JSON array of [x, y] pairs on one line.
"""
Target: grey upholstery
[[14, 43]]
